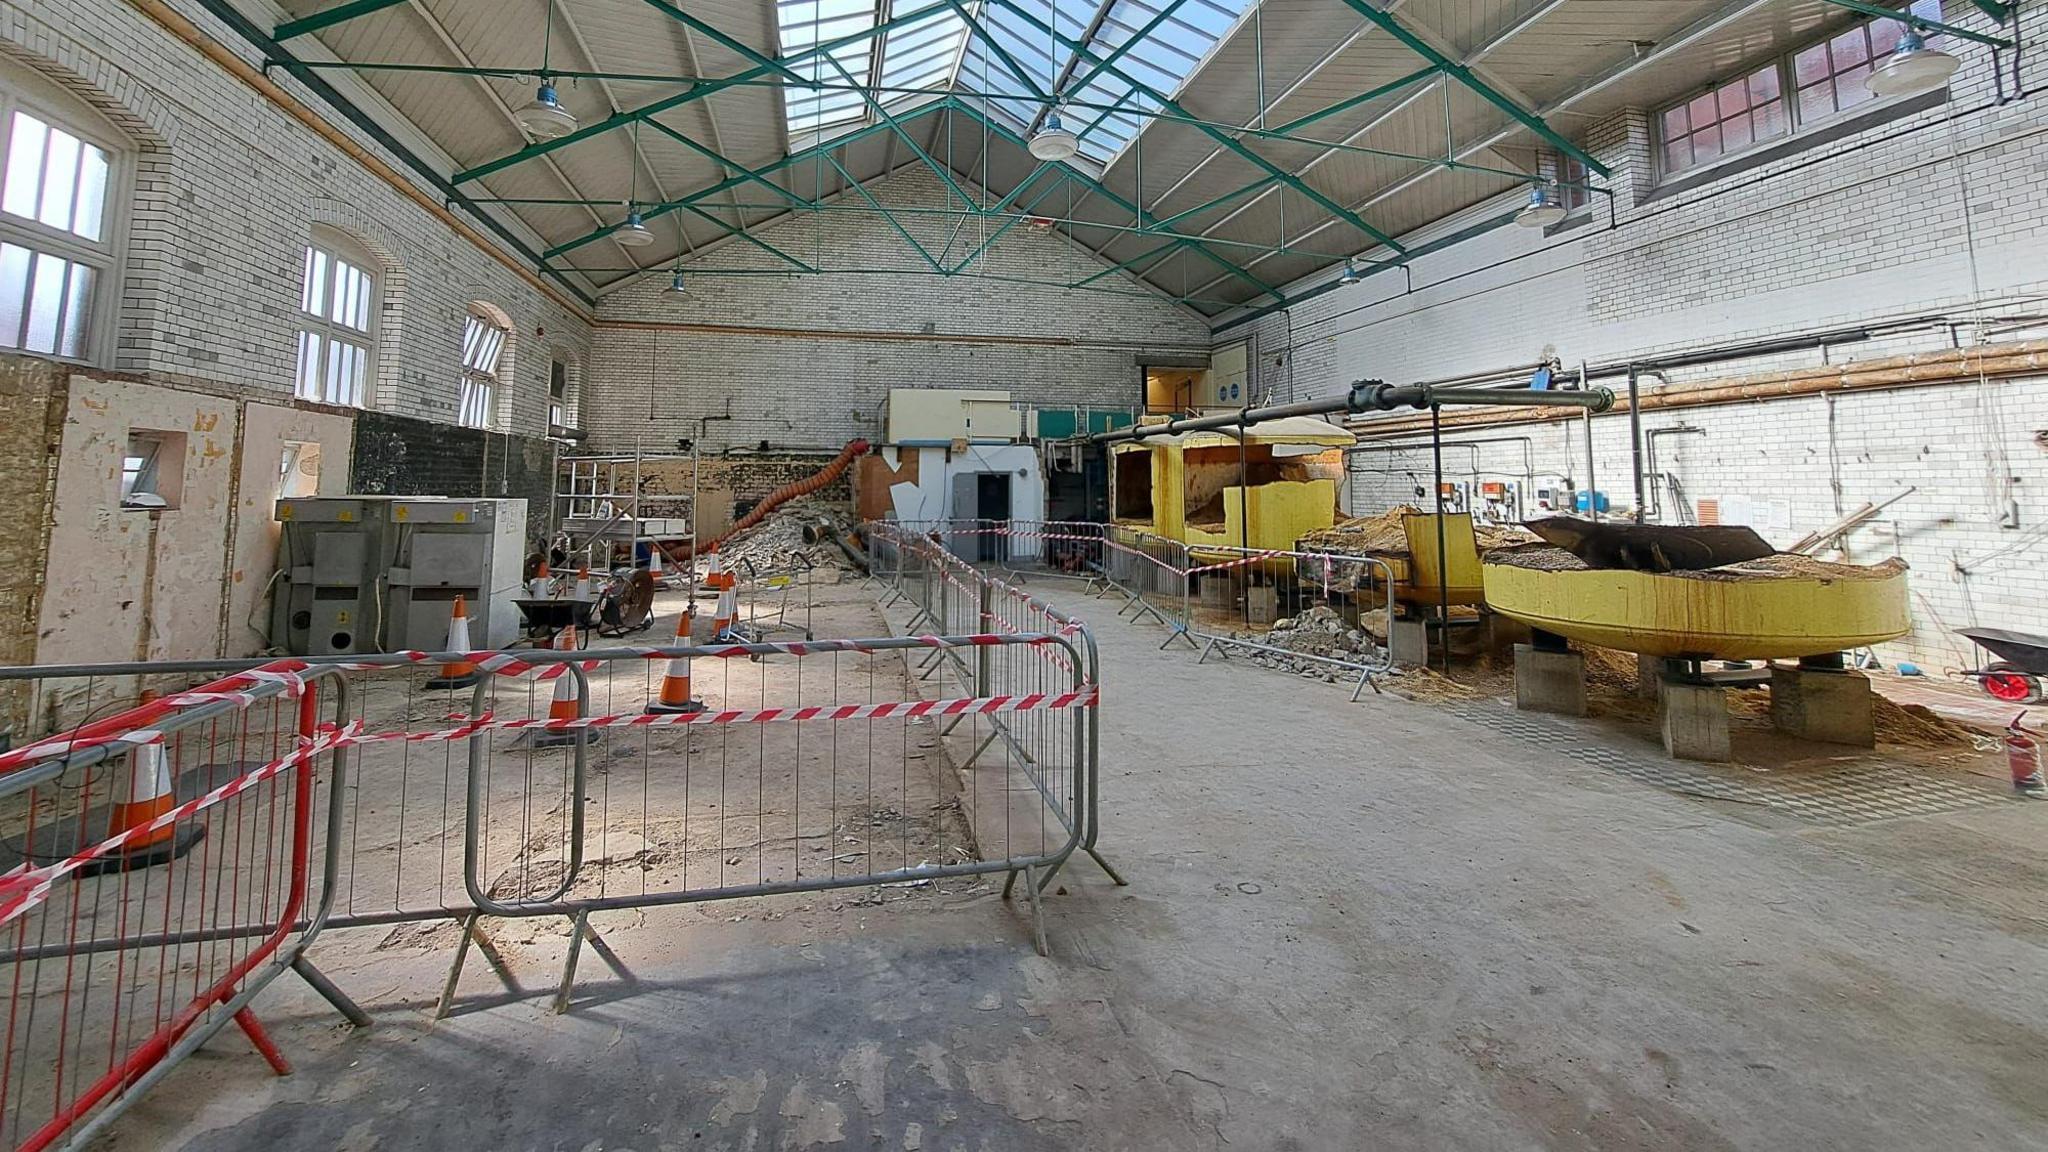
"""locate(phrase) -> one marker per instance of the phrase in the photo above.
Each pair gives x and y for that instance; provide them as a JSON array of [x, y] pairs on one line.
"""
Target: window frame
[[479, 393], [23, 89], [338, 247], [560, 405], [1783, 69]]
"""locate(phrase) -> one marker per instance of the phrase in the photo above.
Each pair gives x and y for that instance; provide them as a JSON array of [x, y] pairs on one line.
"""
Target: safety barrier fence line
[[894, 548], [1050, 761], [1174, 607], [243, 688]]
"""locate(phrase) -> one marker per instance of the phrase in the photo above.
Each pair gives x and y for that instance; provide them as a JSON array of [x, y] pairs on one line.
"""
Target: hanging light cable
[[1912, 68], [633, 233], [544, 118], [1053, 142]]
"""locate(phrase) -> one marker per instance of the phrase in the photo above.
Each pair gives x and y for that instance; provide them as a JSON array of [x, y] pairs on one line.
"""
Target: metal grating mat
[[1836, 797]]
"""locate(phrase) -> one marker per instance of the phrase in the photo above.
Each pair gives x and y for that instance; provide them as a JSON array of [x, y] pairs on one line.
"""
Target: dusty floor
[[1383, 925]]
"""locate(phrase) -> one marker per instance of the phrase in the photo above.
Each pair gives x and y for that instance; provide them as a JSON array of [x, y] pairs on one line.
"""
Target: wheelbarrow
[[545, 618], [2015, 677]]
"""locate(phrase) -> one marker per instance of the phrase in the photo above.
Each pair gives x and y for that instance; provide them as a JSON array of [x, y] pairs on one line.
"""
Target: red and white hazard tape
[[22, 890], [1240, 562], [243, 688]]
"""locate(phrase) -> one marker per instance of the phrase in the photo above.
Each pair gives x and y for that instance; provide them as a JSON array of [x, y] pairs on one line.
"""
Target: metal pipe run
[[1370, 396]]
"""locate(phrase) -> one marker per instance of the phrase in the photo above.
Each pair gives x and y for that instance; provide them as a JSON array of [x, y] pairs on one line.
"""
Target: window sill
[[1827, 133]]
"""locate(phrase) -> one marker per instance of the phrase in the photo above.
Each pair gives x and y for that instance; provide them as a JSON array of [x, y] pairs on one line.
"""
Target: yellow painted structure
[[1281, 511], [1679, 615], [1417, 578]]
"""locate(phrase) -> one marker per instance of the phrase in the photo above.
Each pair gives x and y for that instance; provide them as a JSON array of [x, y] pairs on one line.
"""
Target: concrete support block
[[1218, 591], [1261, 606], [1409, 643], [1503, 634], [1547, 681], [1695, 719], [1828, 706], [1649, 676]]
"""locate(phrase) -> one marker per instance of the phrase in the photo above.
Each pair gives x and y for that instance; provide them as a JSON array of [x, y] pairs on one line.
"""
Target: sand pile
[[1385, 533], [1782, 566]]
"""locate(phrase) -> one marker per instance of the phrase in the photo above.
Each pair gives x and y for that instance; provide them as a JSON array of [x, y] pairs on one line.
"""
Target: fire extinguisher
[[2023, 754]]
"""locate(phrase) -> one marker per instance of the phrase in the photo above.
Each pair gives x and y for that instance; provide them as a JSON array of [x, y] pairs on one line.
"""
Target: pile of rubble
[[1320, 632], [776, 543]]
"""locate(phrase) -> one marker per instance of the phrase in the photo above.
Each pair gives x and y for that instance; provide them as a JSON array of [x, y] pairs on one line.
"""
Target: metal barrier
[[1216, 599], [1018, 548], [550, 786], [1151, 573], [776, 601], [158, 869], [1328, 599], [948, 593]]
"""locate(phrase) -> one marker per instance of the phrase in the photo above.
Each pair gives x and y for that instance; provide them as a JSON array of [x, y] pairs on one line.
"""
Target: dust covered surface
[[1782, 566]]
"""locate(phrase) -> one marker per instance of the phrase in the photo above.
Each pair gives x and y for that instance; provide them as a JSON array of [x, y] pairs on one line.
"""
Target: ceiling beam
[[698, 90], [332, 16], [1465, 76], [1698, 30], [1216, 134], [683, 202], [742, 48]]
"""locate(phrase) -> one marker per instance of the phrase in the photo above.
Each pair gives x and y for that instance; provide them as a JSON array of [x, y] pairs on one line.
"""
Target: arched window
[[337, 320], [484, 334], [61, 165]]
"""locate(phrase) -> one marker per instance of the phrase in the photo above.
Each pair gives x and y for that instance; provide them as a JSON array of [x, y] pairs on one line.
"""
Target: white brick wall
[[226, 187], [791, 381], [1935, 214]]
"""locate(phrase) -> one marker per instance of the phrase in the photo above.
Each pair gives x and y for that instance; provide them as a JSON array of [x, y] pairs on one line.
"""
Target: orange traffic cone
[[457, 673], [675, 683], [151, 793], [716, 576], [563, 706], [537, 588], [724, 616]]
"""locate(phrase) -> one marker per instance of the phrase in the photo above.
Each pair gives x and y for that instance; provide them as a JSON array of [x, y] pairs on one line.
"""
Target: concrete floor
[[1349, 926]]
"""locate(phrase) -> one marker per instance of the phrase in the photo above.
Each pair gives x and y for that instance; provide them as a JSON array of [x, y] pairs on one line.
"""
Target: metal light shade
[[675, 282], [1053, 142], [1541, 211], [545, 118], [1912, 69], [633, 233], [1350, 274]]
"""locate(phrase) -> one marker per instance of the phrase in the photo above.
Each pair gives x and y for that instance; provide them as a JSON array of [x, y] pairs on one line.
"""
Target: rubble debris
[[777, 544]]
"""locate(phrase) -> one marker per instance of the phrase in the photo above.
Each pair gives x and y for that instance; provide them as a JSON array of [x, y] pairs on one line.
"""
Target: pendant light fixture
[[1350, 274], [1543, 209], [544, 118], [1912, 68], [675, 282], [633, 233], [1052, 142]]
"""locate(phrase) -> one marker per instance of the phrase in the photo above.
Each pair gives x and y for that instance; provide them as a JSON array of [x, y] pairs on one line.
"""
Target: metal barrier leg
[[1180, 632], [318, 981], [1112, 873], [1364, 681], [1037, 910], [1209, 648], [267, 1048], [579, 925], [472, 931]]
